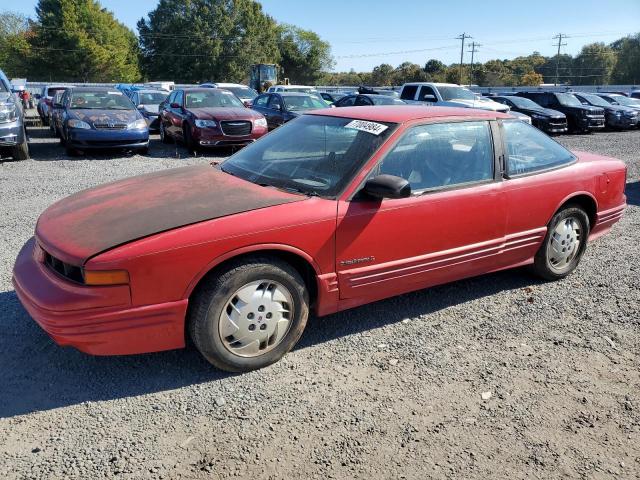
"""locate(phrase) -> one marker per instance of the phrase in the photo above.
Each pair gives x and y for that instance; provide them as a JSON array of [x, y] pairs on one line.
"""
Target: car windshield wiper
[[290, 189]]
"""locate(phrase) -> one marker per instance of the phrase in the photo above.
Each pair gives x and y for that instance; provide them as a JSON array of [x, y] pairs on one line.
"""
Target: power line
[[473, 50], [560, 44], [462, 37]]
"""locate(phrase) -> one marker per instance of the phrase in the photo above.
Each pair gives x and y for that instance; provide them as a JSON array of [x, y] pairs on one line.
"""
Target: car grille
[[236, 128], [70, 272], [110, 126], [559, 122]]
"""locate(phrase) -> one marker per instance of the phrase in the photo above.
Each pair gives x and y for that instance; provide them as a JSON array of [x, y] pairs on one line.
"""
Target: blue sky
[[366, 33]]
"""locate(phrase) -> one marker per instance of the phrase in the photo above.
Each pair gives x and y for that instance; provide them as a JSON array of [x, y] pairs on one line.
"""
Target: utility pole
[[462, 37], [558, 37], [473, 50]]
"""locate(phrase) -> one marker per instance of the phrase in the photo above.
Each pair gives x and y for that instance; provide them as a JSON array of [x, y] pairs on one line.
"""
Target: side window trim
[[505, 159], [497, 169]]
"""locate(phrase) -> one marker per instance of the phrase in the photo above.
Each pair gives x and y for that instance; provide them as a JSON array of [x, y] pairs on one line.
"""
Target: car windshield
[[242, 92], [521, 102], [568, 100], [212, 99], [303, 102], [100, 100], [313, 154], [595, 100], [630, 102], [456, 93], [385, 100], [152, 98]]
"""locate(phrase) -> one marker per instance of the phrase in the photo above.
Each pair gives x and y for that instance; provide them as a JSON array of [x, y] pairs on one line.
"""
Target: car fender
[[250, 249], [569, 197]]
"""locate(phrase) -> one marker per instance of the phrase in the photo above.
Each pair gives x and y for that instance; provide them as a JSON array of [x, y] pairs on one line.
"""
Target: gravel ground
[[501, 376]]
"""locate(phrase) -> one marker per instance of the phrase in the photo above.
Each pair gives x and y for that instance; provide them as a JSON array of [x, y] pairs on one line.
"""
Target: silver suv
[[13, 137]]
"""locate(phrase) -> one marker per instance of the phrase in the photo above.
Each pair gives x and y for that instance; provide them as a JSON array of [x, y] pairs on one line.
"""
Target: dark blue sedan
[[99, 118], [279, 108]]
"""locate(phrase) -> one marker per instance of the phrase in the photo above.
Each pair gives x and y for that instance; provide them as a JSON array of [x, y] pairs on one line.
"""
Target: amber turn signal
[[106, 277]]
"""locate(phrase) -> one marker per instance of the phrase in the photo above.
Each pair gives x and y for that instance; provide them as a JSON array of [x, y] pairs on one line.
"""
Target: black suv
[[547, 120], [580, 118], [616, 116], [13, 137]]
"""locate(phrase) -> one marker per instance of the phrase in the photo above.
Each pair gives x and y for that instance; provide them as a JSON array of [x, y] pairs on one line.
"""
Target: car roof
[[152, 90], [294, 94], [435, 84], [222, 85], [94, 89], [406, 113], [199, 89]]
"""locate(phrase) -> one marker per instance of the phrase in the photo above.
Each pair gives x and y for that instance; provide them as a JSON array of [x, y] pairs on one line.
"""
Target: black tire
[[212, 296], [543, 265], [188, 139], [143, 151], [20, 152], [163, 134], [72, 152]]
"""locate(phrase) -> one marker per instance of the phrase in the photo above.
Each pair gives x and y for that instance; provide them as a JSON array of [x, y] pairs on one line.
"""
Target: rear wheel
[[249, 315], [564, 244]]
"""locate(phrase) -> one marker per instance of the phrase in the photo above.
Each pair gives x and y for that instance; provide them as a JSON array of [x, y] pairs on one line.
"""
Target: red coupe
[[208, 117], [338, 208]]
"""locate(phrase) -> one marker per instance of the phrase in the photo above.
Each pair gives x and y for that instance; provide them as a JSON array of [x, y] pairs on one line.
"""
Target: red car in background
[[208, 117], [338, 208]]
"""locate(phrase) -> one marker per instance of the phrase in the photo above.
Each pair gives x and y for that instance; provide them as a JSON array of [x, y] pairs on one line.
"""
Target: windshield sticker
[[369, 127]]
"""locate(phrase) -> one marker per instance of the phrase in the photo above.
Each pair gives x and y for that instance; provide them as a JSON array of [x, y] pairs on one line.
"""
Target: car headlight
[[139, 124], [537, 117], [8, 112], [260, 122], [75, 123], [205, 123]]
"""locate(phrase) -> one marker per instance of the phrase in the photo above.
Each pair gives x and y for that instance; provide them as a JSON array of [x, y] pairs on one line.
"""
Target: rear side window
[[409, 92], [529, 150], [261, 101], [442, 155]]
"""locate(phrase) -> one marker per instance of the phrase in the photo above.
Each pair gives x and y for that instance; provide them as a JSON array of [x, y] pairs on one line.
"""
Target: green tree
[[435, 70], [15, 30], [382, 75], [594, 65], [627, 67], [198, 40], [78, 40], [408, 72], [304, 55]]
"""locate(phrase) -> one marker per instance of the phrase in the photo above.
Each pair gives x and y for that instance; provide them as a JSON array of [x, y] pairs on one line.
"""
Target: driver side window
[[441, 155], [274, 102]]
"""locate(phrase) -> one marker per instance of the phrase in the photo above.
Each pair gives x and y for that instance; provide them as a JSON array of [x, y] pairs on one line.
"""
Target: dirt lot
[[390, 390]]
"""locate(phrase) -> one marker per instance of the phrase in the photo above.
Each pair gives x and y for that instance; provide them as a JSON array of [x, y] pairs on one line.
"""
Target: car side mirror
[[429, 98], [174, 105], [387, 186]]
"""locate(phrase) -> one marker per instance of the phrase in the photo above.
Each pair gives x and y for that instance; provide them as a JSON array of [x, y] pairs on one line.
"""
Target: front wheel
[[163, 134], [564, 244], [249, 315], [21, 151], [189, 142]]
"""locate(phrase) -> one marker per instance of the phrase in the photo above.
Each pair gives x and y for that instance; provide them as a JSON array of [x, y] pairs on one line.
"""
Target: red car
[[209, 117], [336, 209]]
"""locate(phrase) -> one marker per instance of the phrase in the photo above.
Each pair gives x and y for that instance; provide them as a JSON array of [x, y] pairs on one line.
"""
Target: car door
[[176, 114], [165, 111], [275, 110], [534, 187], [452, 225], [427, 95]]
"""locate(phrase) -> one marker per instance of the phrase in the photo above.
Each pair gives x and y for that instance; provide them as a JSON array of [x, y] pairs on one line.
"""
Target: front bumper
[[95, 320], [622, 121], [153, 122], [84, 139], [214, 137], [551, 125], [593, 123], [11, 134]]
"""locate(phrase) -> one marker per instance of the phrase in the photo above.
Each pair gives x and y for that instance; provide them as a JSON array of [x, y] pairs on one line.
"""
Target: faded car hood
[[225, 113], [92, 116], [95, 220]]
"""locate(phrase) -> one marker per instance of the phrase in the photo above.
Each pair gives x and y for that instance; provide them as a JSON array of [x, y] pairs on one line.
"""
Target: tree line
[[191, 41], [187, 41], [596, 64]]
